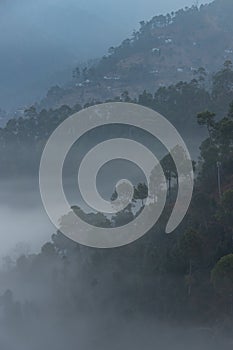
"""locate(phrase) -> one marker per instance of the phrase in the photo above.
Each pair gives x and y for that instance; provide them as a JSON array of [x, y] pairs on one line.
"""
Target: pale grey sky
[[41, 37], [37, 37], [135, 10]]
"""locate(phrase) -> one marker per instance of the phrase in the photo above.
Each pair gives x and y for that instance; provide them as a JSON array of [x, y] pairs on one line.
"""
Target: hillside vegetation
[[166, 49]]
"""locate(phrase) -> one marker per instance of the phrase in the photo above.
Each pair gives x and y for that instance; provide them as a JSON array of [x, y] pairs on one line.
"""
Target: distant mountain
[[41, 41], [165, 50]]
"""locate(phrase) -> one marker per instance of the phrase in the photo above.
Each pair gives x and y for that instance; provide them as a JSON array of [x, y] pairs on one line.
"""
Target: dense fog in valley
[[167, 289]]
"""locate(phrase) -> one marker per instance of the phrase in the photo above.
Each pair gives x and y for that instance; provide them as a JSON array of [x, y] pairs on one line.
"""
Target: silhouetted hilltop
[[166, 49]]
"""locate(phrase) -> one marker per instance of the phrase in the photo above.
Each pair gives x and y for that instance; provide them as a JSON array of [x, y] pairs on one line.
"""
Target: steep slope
[[165, 50]]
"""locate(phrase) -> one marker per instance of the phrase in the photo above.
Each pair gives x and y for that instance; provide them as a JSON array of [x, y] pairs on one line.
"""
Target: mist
[[24, 223], [42, 41], [162, 291]]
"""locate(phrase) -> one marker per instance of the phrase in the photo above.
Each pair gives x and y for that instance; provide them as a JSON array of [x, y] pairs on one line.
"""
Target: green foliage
[[206, 118], [222, 275], [48, 250], [191, 244], [141, 192], [222, 86], [226, 209], [155, 272]]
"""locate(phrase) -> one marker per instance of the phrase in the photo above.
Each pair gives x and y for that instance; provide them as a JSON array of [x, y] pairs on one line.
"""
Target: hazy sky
[[38, 38], [135, 10]]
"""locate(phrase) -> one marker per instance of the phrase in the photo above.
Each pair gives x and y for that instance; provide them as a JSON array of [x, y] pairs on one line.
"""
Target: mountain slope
[[165, 50], [39, 39]]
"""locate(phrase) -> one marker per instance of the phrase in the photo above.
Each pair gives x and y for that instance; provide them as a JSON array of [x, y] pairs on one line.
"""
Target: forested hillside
[[23, 139], [181, 280], [163, 291], [166, 49]]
